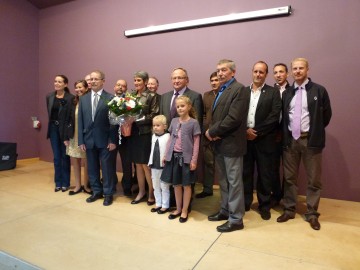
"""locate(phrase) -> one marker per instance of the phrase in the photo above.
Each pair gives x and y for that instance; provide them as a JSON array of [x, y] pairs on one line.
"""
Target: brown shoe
[[283, 218], [314, 223]]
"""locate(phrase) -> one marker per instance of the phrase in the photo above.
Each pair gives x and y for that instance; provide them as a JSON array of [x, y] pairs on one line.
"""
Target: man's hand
[[251, 134], [111, 146], [211, 138], [82, 147]]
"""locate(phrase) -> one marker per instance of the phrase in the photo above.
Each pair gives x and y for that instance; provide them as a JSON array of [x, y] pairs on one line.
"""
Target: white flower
[[131, 103]]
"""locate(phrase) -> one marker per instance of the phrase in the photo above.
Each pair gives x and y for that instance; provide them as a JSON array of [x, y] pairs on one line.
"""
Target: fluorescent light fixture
[[244, 16]]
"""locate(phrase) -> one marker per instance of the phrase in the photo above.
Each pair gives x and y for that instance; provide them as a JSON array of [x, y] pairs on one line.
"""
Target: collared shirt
[[222, 88], [181, 92], [305, 117], [282, 88], [254, 99], [93, 95]]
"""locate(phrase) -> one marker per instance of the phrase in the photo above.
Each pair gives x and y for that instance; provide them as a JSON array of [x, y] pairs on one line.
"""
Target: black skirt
[[176, 172], [140, 146]]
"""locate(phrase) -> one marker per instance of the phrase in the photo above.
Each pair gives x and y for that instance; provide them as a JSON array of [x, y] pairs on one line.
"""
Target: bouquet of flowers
[[127, 105], [123, 111]]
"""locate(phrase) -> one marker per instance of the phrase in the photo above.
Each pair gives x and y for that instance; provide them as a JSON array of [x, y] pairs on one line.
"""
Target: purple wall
[[80, 36], [19, 75]]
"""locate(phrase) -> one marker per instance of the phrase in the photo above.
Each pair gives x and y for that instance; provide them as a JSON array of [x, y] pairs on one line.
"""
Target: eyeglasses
[[178, 78]]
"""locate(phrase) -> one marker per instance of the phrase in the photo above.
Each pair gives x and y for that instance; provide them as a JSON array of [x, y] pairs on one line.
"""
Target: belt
[[304, 134], [55, 122]]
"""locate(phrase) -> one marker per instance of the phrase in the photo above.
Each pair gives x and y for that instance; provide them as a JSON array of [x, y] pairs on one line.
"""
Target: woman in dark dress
[[141, 136], [59, 105]]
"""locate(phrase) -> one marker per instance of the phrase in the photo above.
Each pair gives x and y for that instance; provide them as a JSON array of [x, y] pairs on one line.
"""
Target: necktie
[[296, 121], [173, 106], [218, 95], [95, 103]]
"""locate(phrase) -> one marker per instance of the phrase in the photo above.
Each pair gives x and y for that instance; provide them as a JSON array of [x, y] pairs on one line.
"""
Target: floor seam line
[[206, 251]]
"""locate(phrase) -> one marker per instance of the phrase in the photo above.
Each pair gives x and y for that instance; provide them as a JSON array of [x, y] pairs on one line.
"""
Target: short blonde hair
[[301, 60], [160, 118]]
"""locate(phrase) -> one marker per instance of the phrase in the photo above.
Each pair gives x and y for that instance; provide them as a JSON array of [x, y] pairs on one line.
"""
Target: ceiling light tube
[[264, 13]]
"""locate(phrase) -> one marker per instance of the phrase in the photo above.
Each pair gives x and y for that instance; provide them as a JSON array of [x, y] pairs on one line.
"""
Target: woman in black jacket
[[141, 136], [59, 105]]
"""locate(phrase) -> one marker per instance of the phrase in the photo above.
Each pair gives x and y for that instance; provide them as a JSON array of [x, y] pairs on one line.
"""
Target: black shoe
[[87, 192], [94, 197], [217, 217], [265, 215], [155, 209], [127, 193], [150, 203], [160, 212], [183, 219], [57, 189], [108, 200], [283, 218], [229, 227], [314, 223], [173, 216], [73, 192], [64, 189], [203, 195], [140, 200]]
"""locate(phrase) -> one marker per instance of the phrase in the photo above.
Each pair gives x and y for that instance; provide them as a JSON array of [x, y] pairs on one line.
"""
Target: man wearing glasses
[[180, 80], [98, 138]]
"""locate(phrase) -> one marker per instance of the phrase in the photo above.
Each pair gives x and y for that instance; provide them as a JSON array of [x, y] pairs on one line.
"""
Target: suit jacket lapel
[[51, 103], [223, 96], [262, 96], [103, 101]]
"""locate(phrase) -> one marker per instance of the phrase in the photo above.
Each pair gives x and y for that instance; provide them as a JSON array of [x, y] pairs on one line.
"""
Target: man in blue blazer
[[98, 138]]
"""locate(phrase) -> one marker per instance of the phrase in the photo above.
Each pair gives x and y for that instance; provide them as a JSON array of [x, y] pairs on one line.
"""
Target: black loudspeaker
[[8, 156]]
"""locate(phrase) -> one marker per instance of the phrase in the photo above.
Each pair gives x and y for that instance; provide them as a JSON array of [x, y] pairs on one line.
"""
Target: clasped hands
[[211, 138]]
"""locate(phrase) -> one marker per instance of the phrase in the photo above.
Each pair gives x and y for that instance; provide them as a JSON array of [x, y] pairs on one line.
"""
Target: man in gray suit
[[228, 133], [98, 138], [180, 80]]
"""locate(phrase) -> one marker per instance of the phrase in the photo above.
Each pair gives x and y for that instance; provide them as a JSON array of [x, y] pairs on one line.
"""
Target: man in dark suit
[[280, 72], [180, 80], [208, 151], [127, 181], [98, 138], [228, 133], [262, 120], [306, 113]]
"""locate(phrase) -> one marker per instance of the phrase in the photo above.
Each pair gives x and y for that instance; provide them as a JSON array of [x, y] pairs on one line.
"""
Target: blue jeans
[[61, 160]]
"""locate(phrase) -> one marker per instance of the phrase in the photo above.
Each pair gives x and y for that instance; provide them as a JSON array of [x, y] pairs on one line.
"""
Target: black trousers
[[263, 161]]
